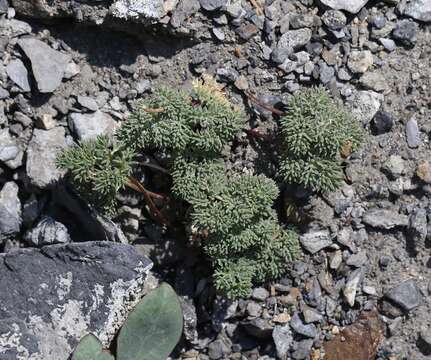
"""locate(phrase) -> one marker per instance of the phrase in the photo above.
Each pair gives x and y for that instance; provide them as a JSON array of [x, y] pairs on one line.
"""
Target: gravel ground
[[71, 71]]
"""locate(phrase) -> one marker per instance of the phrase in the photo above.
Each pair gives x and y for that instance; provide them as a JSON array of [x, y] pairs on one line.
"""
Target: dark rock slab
[[406, 295], [57, 294]]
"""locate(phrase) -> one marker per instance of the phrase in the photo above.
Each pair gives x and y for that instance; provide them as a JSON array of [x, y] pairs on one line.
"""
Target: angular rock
[[211, 5], [374, 81], [315, 241], [48, 65], [395, 166], [360, 61], [384, 219], [42, 152], [10, 211], [184, 9], [294, 39], [283, 339], [406, 295], [383, 122], [352, 6], [412, 134], [419, 10], [259, 328], [145, 11], [351, 287], [48, 232], [88, 103], [299, 327], [360, 340], [89, 126], [13, 27], [18, 74], [418, 227], [334, 19], [59, 293], [364, 105], [11, 153], [406, 32]]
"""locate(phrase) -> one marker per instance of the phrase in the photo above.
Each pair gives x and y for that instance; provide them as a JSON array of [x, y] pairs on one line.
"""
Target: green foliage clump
[[199, 124], [99, 168], [315, 129], [151, 331], [233, 215]]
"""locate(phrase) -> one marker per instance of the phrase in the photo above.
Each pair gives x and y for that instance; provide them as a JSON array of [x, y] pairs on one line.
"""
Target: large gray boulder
[[53, 296]]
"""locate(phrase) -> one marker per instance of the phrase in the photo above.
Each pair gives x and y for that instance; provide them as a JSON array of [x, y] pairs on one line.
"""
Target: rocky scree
[[365, 245]]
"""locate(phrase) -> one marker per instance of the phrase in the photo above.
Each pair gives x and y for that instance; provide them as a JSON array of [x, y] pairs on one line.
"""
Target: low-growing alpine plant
[[315, 129], [231, 214]]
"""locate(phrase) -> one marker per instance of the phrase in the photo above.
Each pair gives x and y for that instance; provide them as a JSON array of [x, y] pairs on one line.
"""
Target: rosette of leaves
[[315, 130]]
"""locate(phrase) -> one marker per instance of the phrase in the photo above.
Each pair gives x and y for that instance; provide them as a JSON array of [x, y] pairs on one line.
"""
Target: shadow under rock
[[110, 48]]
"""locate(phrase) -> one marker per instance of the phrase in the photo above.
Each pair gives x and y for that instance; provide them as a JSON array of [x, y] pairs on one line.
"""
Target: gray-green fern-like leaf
[[315, 129]]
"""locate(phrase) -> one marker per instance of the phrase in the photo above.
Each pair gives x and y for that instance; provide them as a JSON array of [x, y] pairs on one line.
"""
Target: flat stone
[[89, 126], [388, 44], [352, 6], [364, 105], [48, 65], [13, 28], [412, 134], [59, 293], [311, 315], [406, 295], [88, 103], [307, 330], [42, 153], [373, 80], [211, 5], [419, 10], [357, 260], [315, 241], [283, 339], [10, 212], [18, 73], [384, 219], [294, 39], [360, 61]]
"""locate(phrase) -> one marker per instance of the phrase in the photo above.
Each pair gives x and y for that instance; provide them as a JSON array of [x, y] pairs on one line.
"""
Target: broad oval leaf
[[153, 328], [90, 348]]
